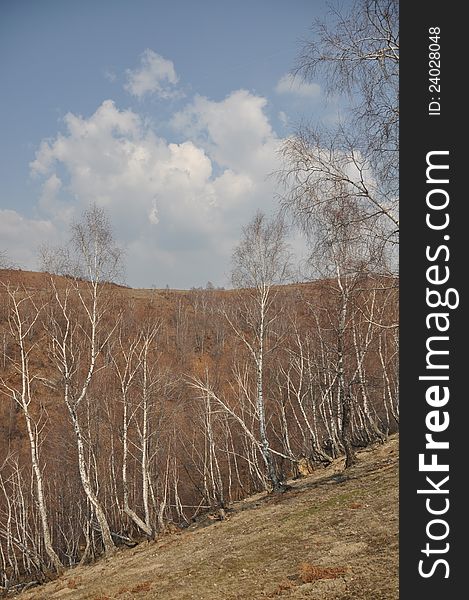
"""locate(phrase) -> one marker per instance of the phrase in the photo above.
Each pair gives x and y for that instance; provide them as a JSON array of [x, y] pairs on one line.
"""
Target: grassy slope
[[348, 525]]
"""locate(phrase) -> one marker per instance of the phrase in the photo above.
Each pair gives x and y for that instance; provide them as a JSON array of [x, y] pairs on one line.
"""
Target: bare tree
[[96, 256], [23, 316], [6, 262], [260, 261], [149, 381], [127, 361], [79, 333], [358, 52], [358, 55], [138, 372], [344, 253], [299, 381]]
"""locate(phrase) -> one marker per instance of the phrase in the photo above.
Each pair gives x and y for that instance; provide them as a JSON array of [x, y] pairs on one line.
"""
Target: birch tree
[[79, 330], [357, 54], [127, 362], [150, 380], [24, 314], [344, 254], [260, 261]]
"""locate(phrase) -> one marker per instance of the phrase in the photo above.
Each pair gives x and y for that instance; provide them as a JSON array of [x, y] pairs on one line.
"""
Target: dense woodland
[[126, 413]]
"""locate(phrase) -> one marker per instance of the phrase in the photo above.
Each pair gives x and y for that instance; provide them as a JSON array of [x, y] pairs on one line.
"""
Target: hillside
[[126, 413], [333, 535]]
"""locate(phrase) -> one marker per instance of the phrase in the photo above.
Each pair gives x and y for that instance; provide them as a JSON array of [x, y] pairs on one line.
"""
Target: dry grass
[[284, 586], [326, 538], [73, 583], [145, 586], [310, 573]]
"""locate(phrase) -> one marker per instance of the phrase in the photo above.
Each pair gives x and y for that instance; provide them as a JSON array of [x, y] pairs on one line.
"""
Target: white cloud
[[156, 75], [113, 159], [22, 237], [50, 203], [235, 132], [177, 207], [153, 214], [288, 84]]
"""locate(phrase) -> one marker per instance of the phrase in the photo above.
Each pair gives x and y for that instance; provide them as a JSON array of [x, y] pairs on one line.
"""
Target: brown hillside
[[332, 536], [180, 438], [32, 280]]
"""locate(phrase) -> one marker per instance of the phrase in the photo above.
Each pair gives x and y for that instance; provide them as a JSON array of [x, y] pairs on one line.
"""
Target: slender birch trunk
[[21, 328]]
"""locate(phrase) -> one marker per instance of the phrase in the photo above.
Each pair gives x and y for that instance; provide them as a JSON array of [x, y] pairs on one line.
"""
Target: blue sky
[[168, 114]]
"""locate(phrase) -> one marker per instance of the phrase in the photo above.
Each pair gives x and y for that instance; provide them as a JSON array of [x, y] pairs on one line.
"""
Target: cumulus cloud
[[288, 84], [177, 207], [23, 237], [113, 159], [51, 204], [235, 131], [155, 75]]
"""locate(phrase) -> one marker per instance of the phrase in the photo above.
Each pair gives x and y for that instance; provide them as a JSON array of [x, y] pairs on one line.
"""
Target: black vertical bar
[[432, 119]]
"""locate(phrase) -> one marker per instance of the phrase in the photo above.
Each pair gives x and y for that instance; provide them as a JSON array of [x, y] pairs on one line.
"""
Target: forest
[[126, 412]]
